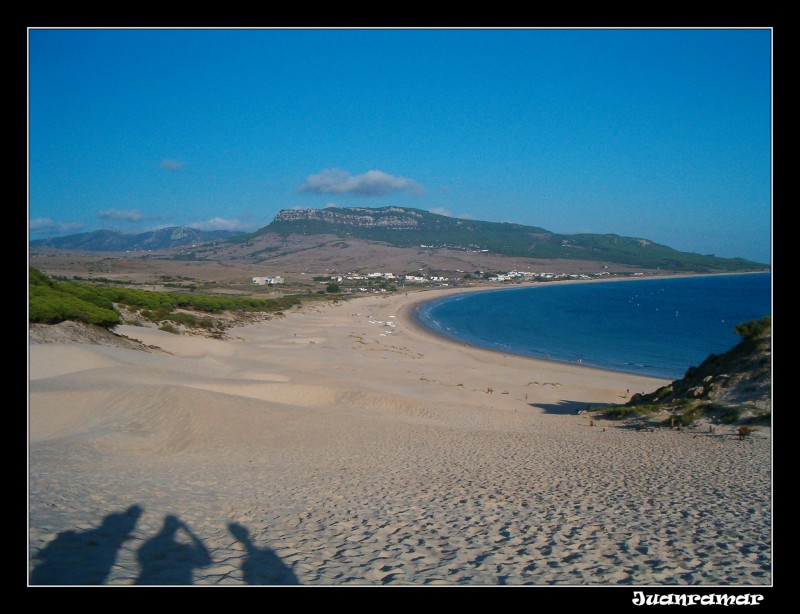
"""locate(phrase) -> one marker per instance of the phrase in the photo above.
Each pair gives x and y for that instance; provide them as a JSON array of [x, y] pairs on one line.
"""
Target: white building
[[271, 281]]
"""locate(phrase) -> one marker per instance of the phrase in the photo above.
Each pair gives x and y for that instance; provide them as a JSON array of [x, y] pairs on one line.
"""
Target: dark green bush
[[624, 411], [51, 302], [754, 328], [689, 416], [726, 414], [187, 319], [663, 392], [37, 278], [49, 305]]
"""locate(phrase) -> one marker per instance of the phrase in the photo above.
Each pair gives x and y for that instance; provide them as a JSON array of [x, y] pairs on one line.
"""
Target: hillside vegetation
[[734, 387], [53, 301], [406, 227]]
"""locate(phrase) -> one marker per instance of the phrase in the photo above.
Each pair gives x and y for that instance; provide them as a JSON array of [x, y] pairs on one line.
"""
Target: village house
[[268, 281]]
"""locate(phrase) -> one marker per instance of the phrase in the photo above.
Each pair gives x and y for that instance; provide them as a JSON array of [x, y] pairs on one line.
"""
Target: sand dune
[[60, 360], [327, 448]]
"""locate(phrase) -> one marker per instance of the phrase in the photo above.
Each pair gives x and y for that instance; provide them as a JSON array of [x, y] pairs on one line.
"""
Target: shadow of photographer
[[85, 557], [261, 566]]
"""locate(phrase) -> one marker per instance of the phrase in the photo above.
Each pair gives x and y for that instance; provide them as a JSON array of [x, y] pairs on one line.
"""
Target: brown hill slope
[[297, 258]]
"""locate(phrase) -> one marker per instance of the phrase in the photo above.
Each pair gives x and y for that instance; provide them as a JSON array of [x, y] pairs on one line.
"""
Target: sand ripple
[[354, 463]]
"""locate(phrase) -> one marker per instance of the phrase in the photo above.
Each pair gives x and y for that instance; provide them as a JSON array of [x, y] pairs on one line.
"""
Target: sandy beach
[[342, 444]]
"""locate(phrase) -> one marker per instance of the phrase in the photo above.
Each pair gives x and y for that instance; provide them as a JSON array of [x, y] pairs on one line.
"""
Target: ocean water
[[656, 327]]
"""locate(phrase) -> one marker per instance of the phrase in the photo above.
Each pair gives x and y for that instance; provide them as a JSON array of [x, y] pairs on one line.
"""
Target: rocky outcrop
[[741, 377], [384, 217]]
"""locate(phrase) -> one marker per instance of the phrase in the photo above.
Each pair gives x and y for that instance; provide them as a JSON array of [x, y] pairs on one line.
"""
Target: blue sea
[[655, 327]]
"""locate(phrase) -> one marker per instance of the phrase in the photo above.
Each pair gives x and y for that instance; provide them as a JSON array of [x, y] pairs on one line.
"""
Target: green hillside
[[405, 227], [51, 301]]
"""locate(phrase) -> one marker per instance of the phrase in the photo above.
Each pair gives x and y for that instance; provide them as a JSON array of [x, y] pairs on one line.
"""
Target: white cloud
[[127, 215], [218, 223], [41, 223], [371, 183], [441, 211], [172, 165], [44, 225], [448, 213]]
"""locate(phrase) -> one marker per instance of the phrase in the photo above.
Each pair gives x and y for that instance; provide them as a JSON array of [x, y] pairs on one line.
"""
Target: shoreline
[[407, 313], [410, 313], [327, 447]]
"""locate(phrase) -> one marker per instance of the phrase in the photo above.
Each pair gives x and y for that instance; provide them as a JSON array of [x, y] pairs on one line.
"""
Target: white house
[[263, 281]]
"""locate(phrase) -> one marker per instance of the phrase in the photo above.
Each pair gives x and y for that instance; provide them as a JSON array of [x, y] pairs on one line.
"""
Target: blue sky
[[662, 134]]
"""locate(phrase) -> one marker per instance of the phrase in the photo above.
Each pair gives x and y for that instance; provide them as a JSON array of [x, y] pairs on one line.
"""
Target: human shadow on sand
[[85, 557], [565, 407], [262, 565], [166, 558]]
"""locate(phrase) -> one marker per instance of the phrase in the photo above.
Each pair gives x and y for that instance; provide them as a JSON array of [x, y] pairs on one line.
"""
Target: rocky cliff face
[[385, 217]]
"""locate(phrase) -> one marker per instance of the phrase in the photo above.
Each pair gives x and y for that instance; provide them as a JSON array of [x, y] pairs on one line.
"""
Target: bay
[[657, 327]]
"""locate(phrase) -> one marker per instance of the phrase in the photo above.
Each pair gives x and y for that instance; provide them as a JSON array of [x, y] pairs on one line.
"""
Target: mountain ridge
[[115, 241], [408, 227]]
